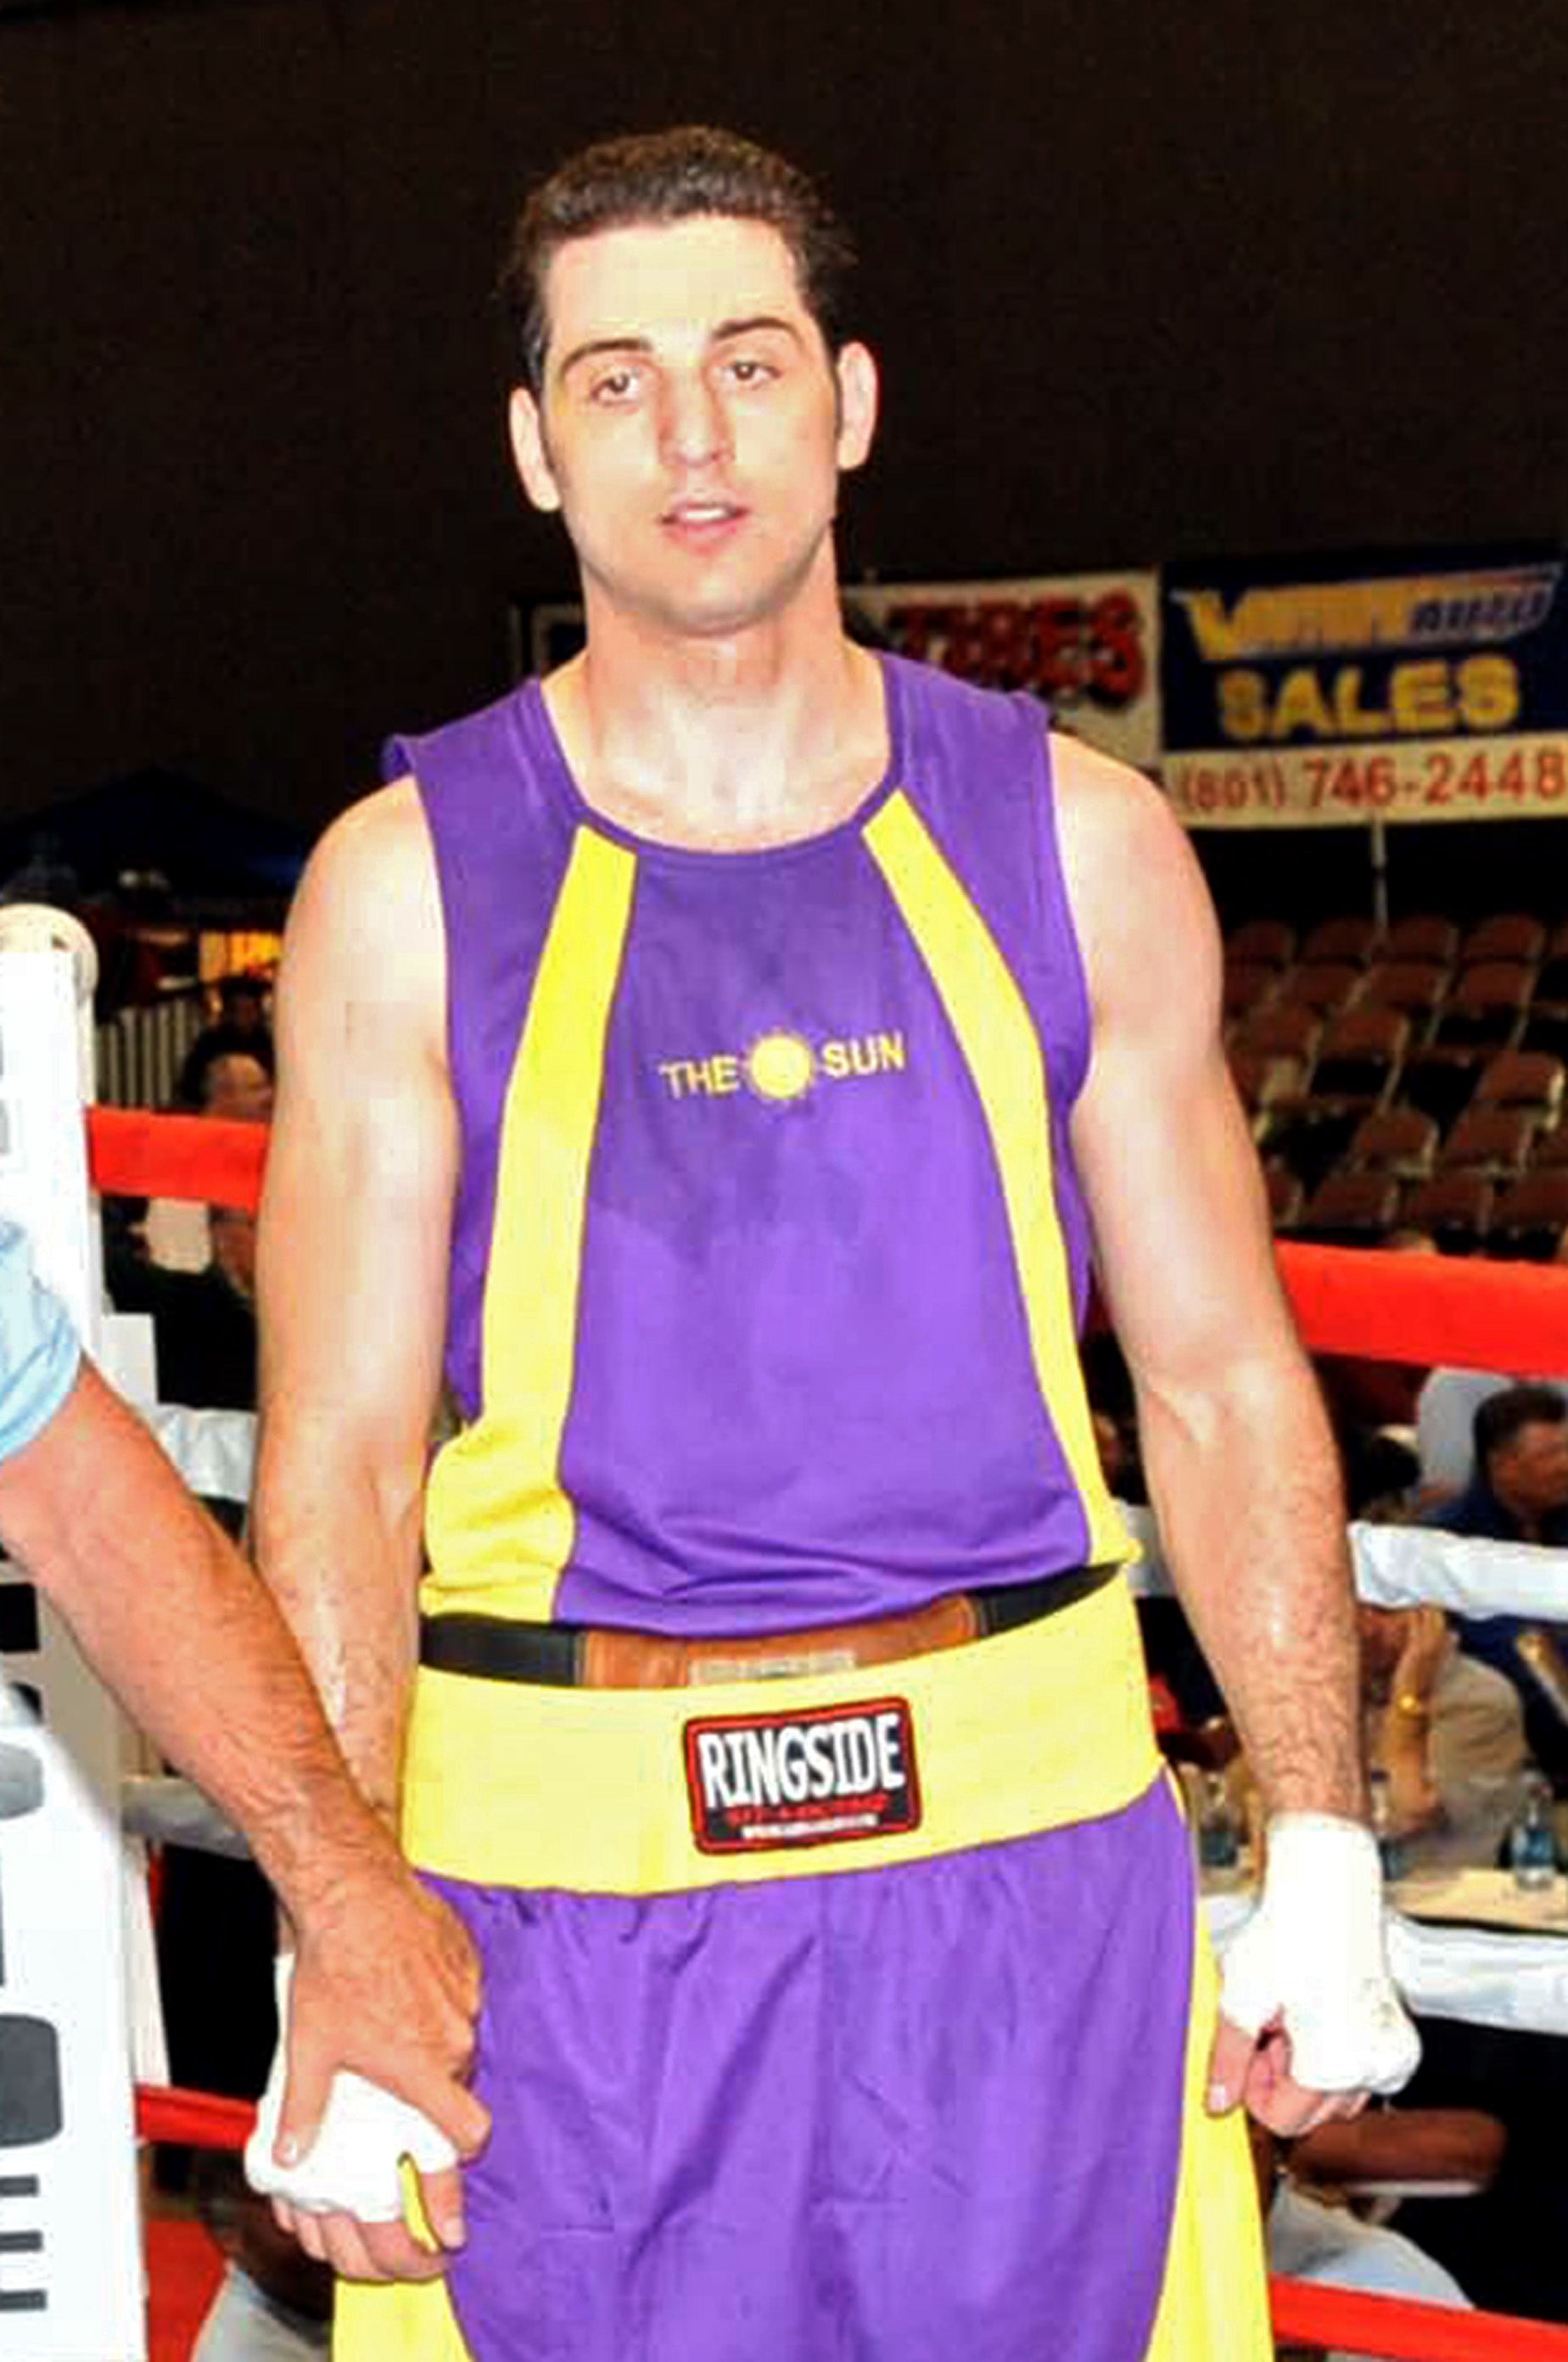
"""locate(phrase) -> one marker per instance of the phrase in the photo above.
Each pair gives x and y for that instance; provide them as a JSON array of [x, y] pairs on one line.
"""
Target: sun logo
[[780, 1067]]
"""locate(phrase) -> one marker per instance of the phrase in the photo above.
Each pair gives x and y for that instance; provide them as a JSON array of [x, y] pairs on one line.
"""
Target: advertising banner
[[1089, 644], [1318, 692]]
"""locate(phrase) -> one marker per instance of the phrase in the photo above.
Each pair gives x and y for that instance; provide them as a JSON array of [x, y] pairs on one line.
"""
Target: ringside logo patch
[[762, 1781]]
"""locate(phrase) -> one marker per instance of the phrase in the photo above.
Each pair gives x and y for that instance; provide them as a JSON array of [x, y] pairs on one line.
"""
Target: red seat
[[1523, 1078], [1531, 1217], [1490, 1139], [1247, 983], [1342, 939], [1400, 1140], [1455, 1207], [1509, 938], [1359, 1056], [1487, 1008], [1284, 1028], [1268, 941], [1265, 1081], [1325, 985], [1422, 939], [1415, 985], [1351, 1209]]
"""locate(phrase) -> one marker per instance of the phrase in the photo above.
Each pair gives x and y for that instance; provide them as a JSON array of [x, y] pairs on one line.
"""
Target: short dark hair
[[669, 176], [1499, 1418]]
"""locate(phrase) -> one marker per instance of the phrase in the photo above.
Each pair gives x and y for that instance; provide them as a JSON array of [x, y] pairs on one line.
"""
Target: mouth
[[702, 521]]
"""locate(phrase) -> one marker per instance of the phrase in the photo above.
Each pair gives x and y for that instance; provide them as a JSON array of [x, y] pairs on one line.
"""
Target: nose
[[695, 429]]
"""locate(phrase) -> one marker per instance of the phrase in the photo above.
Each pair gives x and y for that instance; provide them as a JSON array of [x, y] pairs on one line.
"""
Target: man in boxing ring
[[715, 1061]]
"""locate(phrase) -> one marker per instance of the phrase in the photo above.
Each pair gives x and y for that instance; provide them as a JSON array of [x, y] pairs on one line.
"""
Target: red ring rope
[[134, 1153], [196, 2119], [1396, 1307], [1404, 2332]]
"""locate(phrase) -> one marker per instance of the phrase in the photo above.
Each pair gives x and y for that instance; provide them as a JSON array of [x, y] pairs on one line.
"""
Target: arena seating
[[1412, 1077]]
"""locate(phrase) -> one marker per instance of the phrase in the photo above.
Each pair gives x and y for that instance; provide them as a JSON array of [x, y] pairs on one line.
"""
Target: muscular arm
[[351, 1269], [1240, 1459]]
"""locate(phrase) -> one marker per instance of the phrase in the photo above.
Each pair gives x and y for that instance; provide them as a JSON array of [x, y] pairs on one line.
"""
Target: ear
[[529, 452], [857, 395]]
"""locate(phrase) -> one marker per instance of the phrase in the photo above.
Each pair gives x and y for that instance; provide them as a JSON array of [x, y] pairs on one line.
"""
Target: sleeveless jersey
[[767, 1256]]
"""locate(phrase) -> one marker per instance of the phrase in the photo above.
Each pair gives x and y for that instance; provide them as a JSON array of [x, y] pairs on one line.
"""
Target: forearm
[[1247, 1488], [1401, 1752], [337, 1538], [177, 1624]]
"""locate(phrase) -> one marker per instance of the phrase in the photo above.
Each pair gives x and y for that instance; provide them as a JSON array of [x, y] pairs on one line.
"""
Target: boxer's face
[[693, 425]]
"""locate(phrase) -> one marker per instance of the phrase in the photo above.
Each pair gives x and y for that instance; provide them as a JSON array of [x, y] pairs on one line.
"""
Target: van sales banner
[[1088, 643], [1307, 692]]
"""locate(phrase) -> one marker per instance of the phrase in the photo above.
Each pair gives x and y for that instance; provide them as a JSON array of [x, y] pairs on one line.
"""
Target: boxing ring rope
[[1403, 2331], [195, 2119], [1386, 1306]]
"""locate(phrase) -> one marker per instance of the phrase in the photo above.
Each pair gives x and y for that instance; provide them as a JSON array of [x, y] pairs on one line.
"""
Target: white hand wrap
[[1312, 1956], [351, 2166]]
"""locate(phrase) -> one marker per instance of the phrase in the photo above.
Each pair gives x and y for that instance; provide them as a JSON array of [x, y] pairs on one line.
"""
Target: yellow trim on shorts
[[1002, 1048], [499, 1525], [1214, 2301], [512, 1783]]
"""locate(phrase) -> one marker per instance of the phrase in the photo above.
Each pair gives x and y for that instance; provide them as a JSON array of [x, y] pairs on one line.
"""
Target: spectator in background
[[243, 1028], [1520, 1494], [1519, 1490], [203, 1321], [1449, 1732], [235, 1086], [1445, 1424]]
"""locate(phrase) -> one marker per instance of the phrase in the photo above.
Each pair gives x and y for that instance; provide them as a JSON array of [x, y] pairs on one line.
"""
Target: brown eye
[[616, 385]]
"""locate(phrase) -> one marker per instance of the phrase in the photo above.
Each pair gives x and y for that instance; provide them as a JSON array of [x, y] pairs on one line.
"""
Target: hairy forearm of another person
[[1247, 1488], [166, 1608]]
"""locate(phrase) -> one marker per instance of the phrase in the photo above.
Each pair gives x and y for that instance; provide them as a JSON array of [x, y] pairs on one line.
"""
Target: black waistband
[[505, 1649]]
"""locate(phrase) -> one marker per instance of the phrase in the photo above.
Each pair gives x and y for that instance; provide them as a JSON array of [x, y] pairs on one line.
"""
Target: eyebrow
[[724, 334]]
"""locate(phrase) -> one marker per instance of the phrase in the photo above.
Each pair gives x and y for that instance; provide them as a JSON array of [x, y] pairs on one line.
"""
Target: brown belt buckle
[[623, 1660]]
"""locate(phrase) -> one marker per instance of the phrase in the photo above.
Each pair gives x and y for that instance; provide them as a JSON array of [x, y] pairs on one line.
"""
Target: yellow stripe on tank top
[[1001, 1049], [499, 1525]]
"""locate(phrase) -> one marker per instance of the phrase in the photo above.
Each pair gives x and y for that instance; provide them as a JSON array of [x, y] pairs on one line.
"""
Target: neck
[[771, 735], [1527, 1519]]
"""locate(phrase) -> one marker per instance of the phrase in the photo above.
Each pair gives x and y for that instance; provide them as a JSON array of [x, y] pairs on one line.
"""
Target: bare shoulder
[[373, 871], [365, 924], [1139, 904]]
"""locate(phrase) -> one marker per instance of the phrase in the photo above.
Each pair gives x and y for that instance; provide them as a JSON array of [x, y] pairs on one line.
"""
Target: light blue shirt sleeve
[[40, 1350]]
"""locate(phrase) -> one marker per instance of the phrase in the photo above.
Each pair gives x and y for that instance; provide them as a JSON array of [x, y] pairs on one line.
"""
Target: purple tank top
[[768, 1256]]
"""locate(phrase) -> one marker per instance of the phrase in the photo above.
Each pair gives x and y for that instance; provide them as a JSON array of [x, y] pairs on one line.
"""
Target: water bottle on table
[[1532, 1844]]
